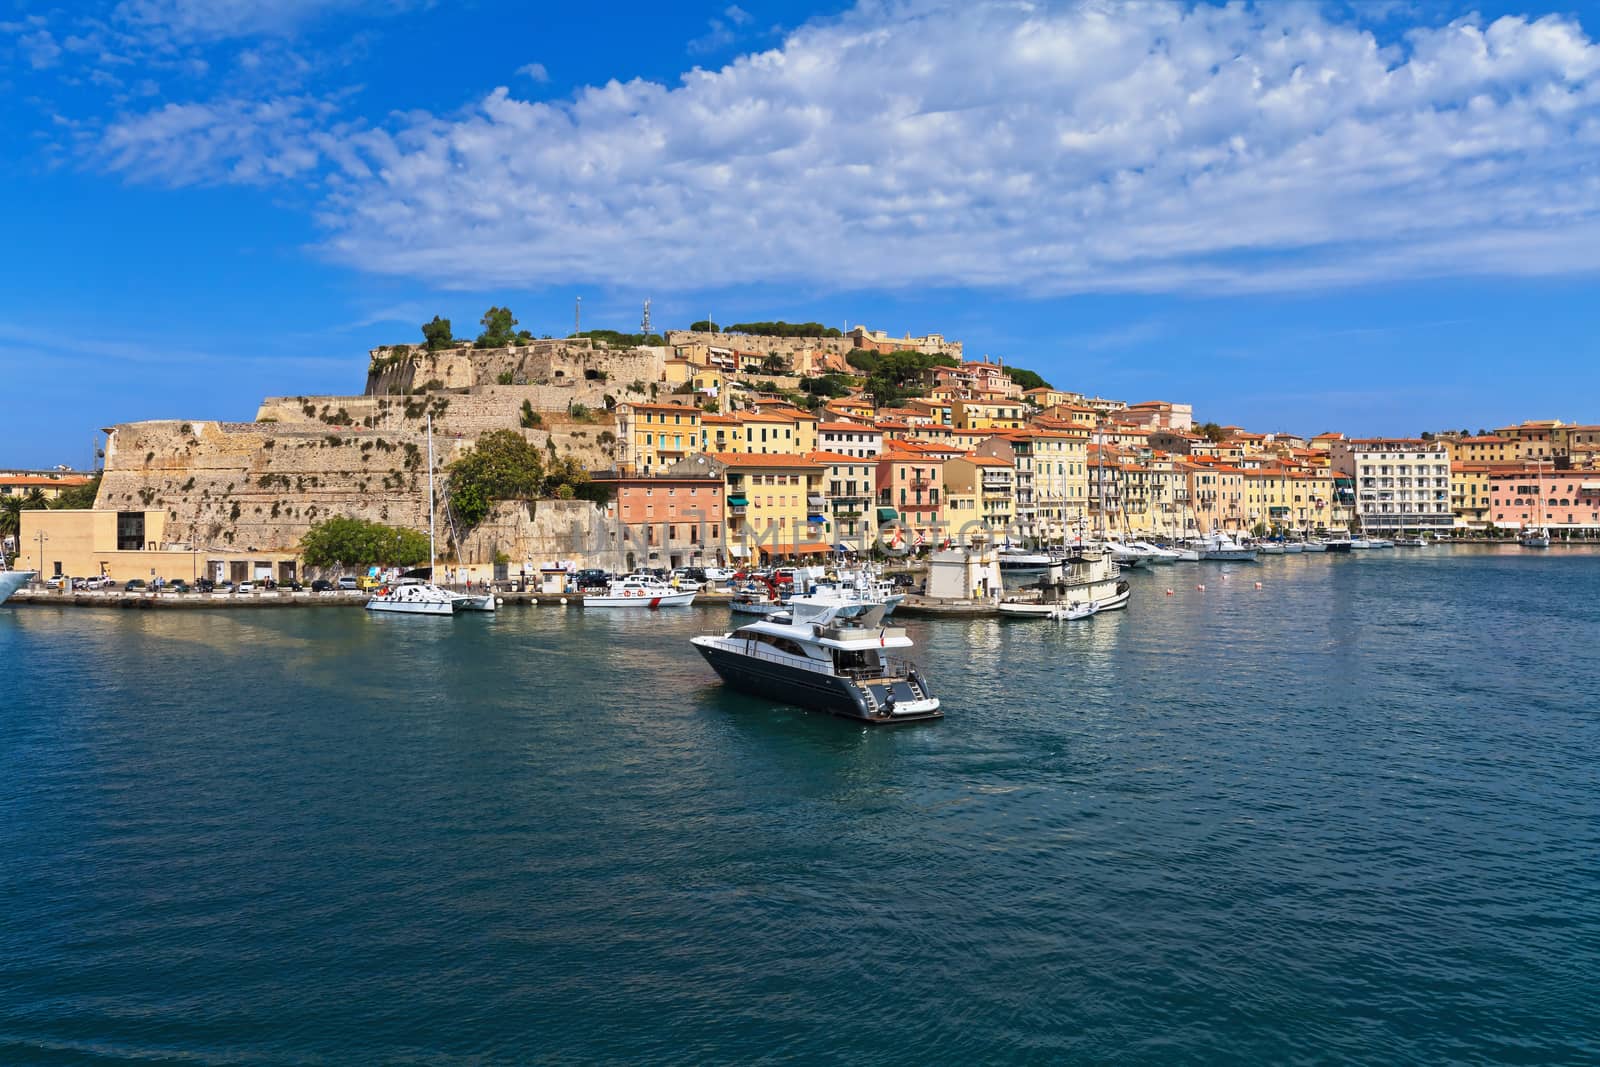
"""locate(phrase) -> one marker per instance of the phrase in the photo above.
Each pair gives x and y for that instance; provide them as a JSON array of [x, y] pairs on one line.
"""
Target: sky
[[1374, 217]]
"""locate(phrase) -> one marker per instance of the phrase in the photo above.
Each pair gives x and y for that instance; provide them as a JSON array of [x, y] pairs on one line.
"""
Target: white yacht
[[411, 596], [864, 585], [1271, 548], [11, 581], [1219, 546], [827, 652], [1154, 553], [639, 591], [1017, 561], [1089, 580]]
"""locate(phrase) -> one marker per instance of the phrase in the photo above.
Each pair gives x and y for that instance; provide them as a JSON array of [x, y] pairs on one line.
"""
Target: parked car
[[349, 583], [224, 587], [135, 585], [204, 585], [246, 587], [178, 585], [321, 585], [57, 581], [719, 574], [98, 583], [291, 585], [592, 578]]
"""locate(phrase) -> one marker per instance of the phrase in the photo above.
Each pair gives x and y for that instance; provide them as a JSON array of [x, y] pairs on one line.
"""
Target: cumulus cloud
[[1084, 147], [534, 72]]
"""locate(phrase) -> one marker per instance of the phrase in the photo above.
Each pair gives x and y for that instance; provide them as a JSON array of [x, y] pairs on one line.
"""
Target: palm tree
[[10, 516]]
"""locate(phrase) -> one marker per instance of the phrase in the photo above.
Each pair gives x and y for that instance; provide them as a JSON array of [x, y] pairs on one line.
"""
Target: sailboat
[[1537, 536], [413, 596]]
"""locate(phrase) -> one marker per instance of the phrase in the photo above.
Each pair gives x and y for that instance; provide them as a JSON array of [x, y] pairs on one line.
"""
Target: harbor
[[1295, 791]]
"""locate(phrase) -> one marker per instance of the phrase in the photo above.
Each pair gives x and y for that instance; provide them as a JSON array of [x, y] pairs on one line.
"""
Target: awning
[[738, 500], [736, 551], [887, 515], [817, 518], [842, 547], [805, 548]]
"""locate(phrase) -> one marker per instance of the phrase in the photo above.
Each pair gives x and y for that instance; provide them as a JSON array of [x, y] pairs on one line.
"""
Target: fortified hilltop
[[263, 484]]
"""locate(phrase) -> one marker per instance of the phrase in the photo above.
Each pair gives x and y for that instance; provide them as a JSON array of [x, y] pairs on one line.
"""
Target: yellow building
[[1045, 397], [1216, 493], [1268, 498], [48, 484], [982, 488], [721, 433], [123, 545], [657, 435], [1469, 492], [850, 489], [775, 505], [1489, 448], [989, 415], [708, 381]]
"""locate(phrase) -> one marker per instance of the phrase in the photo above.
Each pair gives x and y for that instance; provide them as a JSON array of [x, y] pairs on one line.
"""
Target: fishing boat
[[757, 597], [827, 652], [1086, 580], [415, 595], [639, 591]]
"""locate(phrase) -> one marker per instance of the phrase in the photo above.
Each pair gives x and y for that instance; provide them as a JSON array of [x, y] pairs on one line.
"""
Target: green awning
[[737, 501], [887, 515]]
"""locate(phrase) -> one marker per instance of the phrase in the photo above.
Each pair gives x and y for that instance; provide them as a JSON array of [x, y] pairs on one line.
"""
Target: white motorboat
[[1271, 548], [11, 581], [639, 591], [1087, 580], [830, 653], [1294, 548], [1073, 612], [1124, 555], [1220, 547], [1313, 546], [1409, 542], [863, 584], [756, 598], [1154, 553], [1016, 561]]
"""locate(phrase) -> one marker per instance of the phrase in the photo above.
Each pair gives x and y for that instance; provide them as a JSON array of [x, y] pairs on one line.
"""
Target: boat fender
[[1258, 585], [1169, 592], [1201, 588]]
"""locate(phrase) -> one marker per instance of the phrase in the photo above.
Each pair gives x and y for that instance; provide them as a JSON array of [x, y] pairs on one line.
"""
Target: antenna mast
[[644, 323], [577, 317]]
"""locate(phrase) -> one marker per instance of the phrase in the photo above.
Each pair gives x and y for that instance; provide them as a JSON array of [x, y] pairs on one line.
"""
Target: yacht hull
[[11, 581], [808, 689], [1044, 609], [411, 607], [666, 600], [1229, 555]]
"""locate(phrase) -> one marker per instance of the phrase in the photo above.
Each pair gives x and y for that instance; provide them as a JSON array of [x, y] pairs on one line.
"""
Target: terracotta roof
[[837, 457], [848, 427], [780, 459]]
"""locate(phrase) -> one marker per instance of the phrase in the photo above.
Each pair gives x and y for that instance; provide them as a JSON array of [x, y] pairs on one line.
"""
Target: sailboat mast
[[430, 499]]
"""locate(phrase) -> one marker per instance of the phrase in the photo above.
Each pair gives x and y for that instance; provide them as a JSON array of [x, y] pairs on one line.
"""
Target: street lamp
[[43, 537]]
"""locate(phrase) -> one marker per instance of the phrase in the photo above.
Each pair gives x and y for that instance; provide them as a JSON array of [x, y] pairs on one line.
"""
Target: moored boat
[[1087, 580], [1220, 547], [413, 597], [11, 581], [639, 591], [828, 652]]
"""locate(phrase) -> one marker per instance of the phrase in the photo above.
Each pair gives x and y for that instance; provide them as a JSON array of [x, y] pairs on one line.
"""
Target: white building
[[850, 439], [1401, 483]]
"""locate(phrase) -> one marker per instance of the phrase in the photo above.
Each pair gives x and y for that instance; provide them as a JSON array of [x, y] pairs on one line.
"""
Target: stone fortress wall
[[788, 346], [263, 484]]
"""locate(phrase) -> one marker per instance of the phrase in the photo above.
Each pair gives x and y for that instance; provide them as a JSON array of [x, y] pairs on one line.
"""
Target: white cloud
[[1011, 145], [242, 141], [534, 72]]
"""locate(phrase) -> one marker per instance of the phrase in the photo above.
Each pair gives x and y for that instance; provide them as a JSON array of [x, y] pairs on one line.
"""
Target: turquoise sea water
[[1351, 815]]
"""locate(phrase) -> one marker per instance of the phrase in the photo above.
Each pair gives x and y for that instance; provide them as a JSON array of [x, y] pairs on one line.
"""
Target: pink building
[[669, 521], [1564, 500]]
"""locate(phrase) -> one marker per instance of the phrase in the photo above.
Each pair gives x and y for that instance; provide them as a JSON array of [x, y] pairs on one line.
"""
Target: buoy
[[563, 600], [1224, 577], [500, 601], [1258, 585], [1201, 588], [1169, 592]]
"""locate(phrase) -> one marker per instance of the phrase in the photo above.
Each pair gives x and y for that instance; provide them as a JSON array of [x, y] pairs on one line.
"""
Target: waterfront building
[[1565, 501], [989, 482], [656, 435], [122, 545], [1216, 493], [1471, 505], [774, 505], [909, 485], [1052, 481], [1045, 397], [849, 488], [672, 518], [1536, 438], [1401, 483], [1578, 446], [1159, 415]]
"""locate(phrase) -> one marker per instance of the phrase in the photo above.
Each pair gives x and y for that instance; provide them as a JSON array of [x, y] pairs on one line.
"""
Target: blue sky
[[1374, 218]]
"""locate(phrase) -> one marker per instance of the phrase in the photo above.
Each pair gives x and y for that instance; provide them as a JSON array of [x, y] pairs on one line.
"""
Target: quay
[[271, 599]]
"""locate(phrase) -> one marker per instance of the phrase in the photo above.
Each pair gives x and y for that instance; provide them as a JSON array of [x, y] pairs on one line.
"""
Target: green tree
[[785, 329], [79, 496], [10, 516], [1211, 432], [530, 418], [705, 326], [359, 543], [502, 466], [498, 332], [1026, 378], [436, 334], [774, 364]]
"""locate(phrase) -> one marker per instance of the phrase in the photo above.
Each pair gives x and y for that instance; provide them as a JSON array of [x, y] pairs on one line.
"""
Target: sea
[[1325, 809]]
